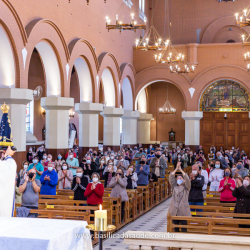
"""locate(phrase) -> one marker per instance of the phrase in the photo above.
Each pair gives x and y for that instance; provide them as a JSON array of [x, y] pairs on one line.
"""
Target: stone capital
[[192, 115], [16, 96], [145, 117], [88, 108], [112, 112], [57, 103], [131, 114]]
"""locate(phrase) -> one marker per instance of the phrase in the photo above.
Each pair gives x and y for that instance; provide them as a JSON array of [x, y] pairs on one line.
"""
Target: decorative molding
[[128, 3], [24, 53], [191, 91]]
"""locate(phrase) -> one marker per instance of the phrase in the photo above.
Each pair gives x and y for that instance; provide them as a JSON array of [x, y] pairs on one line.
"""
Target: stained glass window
[[28, 117], [225, 96]]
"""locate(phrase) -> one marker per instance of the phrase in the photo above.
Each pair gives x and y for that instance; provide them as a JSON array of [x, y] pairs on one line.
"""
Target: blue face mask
[[217, 166], [179, 181], [59, 157], [227, 174], [219, 157], [238, 166]]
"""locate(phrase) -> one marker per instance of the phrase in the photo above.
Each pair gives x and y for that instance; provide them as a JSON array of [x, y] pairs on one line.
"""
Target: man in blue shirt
[[138, 156], [150, 156], [142, 171], [38, 167], [49, 181]]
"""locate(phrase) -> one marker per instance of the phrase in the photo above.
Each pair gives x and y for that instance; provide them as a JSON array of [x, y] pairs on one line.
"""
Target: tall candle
[[101, 219]]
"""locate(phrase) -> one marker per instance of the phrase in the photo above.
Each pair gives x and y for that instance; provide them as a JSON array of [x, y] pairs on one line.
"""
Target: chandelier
[[167, 108], [125, 26], [242, 19]]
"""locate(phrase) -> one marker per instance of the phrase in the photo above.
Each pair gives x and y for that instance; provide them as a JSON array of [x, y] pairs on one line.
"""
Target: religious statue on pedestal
[[171, 135]]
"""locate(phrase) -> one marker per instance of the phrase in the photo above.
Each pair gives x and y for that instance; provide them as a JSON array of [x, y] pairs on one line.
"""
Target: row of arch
[[58, 59]]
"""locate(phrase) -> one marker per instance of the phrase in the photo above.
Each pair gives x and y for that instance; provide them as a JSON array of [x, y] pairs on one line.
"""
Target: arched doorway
[[225, 122], [153, 97]]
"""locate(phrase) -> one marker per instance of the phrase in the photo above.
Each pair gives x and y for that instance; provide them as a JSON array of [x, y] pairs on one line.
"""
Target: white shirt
[[205, 175], [217, 172], [7, 187]]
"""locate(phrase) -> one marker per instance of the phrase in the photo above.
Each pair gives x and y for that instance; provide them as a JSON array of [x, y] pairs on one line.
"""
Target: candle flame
[[100, 208]]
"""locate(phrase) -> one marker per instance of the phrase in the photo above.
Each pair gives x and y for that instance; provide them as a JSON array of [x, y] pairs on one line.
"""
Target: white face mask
[[121, 160], [44, 157], [35, 161], [112, 157], [245, 183], [194, 172], [64, 167], [71, 156], [79, 175], [102, 162], [50, 168], [95, 179], [131, 169], [88, 161], [179, 156], [25, 166], [49, 159]]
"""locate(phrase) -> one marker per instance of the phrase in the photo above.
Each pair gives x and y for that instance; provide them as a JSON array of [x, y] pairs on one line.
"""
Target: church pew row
[[210, 225]]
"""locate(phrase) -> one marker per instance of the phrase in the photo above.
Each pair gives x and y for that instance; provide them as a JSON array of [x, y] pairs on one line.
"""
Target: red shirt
[[94, 197], [208, 171], [226, 191]]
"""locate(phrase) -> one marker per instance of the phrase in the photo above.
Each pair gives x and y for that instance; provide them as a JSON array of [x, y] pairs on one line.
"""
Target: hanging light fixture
[[167, 108], [133, 25], [225, 1], [241, 19]]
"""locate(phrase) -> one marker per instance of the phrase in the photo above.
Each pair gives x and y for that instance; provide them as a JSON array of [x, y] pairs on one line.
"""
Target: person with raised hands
[[179, 205]]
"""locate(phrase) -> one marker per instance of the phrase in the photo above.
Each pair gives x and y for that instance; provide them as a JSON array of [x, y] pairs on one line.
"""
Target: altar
[[43, 234]]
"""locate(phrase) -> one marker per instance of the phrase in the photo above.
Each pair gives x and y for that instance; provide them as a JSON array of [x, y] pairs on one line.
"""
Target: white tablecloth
[[43, 234]]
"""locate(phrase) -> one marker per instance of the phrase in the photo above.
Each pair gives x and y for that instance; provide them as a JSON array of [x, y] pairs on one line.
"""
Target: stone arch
[[83, 52], [108, 61], [217, 25], [53, 49], [212, 74]]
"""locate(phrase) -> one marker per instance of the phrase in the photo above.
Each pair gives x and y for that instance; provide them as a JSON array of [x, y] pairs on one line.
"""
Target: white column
[[111, 126], [192, 126], [57, 121], [17, 99], [143, 128], [129, 127], [88, 123]]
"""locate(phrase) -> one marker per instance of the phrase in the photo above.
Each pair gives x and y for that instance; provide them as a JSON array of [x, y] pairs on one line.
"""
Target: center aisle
[[153, 221]]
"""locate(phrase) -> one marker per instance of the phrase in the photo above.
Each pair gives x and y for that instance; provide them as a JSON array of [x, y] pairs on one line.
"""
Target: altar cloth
[[43, 234]]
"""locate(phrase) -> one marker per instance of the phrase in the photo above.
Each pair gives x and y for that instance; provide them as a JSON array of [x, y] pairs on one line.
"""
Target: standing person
[[65, 177], [80, 182], [142, 171], [240, 170], [49, 181], [242, 194], [73, 163], [118, 185], [24, 170], [134, 176], [139, 155], [18, 195], [204, 173], [101, 167], [216, 176], [30, 188], [94, 191], [158, 165], [179, 203], [30, 155], [197, 182], [59, 162], [226, 187], [37, 167]]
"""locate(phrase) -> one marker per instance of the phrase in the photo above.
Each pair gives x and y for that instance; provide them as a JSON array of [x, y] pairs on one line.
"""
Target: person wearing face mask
[[150, 157], [58, 163], [197, 182], [174, 156], [239, 171], [30, 155], [79, 185], [73, 163], [142, 171], [44, 162], [37, 167], [226, 188], [179, 203], [134, 178], [118, 185], [94, 191], [242, 194], [109, 173], [219, 156], [101, 167], [139, 155], [40, 152], [95, 158], [65, 177], [122, 163], [204, 173], [49, 180], [24, 170], [216, 176], [68, 153], [191, 159], [30, 187], [158, 165]]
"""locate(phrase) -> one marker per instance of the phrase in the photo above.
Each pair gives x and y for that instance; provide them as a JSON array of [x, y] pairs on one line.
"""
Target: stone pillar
[[129, 127], [88, 125], [192, 127], [111, 127], [17, 99], [57, 123], [143, 128]]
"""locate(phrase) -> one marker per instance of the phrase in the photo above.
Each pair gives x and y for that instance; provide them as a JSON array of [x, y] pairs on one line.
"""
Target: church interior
[[125, 124]]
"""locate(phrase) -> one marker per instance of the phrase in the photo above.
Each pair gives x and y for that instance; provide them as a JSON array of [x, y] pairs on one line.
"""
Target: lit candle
[[116, 17], [241, 18], [132, 16], [101, 219], [236, 16], [147, 40], [243, 38], [245, 12]]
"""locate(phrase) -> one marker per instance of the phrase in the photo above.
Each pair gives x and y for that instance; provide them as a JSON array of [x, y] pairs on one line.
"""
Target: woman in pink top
[[227, 186], [65, 177]]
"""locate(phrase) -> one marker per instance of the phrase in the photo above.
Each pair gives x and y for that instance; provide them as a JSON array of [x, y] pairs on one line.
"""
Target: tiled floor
[[154, 221]]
